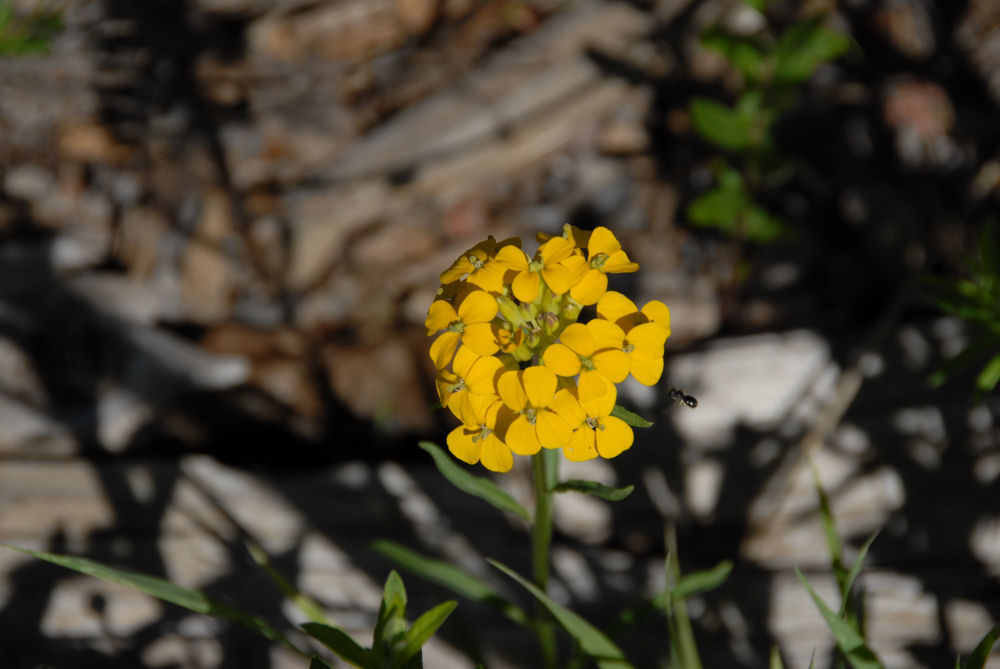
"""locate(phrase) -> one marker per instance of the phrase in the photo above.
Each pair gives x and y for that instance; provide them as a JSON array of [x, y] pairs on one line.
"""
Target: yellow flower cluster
[[515, 366]]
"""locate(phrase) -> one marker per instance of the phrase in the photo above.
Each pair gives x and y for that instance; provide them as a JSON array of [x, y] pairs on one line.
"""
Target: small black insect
[[678, 395]]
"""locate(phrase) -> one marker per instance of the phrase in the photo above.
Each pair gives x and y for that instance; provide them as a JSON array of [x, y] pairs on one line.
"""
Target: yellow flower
[[632, 331], [470, 325], [596, 431], [479, 436], [580, 352], [604, 256], [529, 394], [478, 266], [554, 262], [472, 374]]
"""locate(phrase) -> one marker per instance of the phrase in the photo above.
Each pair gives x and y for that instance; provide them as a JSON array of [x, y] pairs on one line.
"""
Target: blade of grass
[[848, 639]]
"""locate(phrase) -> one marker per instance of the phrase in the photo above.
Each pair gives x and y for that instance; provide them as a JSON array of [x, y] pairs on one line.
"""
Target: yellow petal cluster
[[516, 367]]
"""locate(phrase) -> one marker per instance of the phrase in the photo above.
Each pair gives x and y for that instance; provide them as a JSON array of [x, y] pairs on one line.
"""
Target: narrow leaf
[[982, 651], [595, 488], [590, 639], [423, 628], [852, 575], [316, 662], [635, 420], [701, 581], [303, 602], [476, 486], [391, 622], [340, 642], [192, 600], [775, 662], [989, 377], [451, 577], [848, 639]]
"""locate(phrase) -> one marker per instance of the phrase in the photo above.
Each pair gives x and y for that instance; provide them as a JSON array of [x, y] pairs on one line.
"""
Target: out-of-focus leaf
[[727, 127], [852, 575], [775, 662], [591, 640], [633, 419], [447, 575], [848, 639], [760, 226], [192, 600], [340, 642], [804, 47], [989, 376], [477, 486], [595, 488], [981, 653], [701, 581], [316, 662]]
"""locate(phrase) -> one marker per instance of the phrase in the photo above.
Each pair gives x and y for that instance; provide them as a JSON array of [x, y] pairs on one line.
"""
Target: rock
[[209, 278]]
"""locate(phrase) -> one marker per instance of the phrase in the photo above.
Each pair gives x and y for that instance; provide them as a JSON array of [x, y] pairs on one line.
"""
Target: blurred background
[[222, 223]]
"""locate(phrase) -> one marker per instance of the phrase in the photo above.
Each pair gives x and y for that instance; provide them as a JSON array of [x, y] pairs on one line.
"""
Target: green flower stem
[[545, 467]]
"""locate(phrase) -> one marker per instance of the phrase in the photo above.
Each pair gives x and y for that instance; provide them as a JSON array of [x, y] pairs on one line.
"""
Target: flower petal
[[489, 277], [440, 316], [478, 307], [482, 376], [581, 445], [657, 312], [562, 360], [521, 437], [458, 269], [512, 391], [526, 285], [495, 455], [613, 436], [579, 339], [539, 385], [512, 257], [590, 287], [619, 263], [461, 444], [599, 406], [553, 431], [562, 276], [465, 358], [592, 384], [606, 334], [443, 348], [555, 250], [613, 306], [648, 338], [646, 370], [612, 364], [567, 407], [480, 338], [601, 241]]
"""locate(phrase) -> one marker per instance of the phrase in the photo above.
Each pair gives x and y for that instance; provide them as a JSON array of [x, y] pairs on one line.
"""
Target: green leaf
[[391, 622], [477, 486], [635, 420], [723, 126], [192, 600], [982, 651], [701, 581], [340, 643], [775, 662], [595, 488], [804, 47], [590, 639], [833, 543], [451, 577], [316, 662], [852, 575], [760, 226], [848, 639], [989, 376], [303, 602], [423, 628]]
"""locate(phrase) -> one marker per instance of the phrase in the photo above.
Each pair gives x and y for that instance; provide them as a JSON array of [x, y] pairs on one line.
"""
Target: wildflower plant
[[517, 368]]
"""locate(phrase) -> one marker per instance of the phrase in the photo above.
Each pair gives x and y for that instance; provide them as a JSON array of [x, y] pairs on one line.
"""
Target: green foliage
[[395, 645], [635, 420], [731, 208], [451, 577], [772, 65], [976, 300], [591, 640], [981, 653], [22, 36], [477, 486], [193, 600], [596, 489]]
